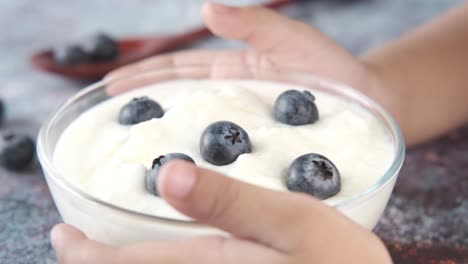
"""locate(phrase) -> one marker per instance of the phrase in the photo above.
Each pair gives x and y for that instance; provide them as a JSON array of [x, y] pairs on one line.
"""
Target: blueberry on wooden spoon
[[70, 54], [101, 47], [93, 49]]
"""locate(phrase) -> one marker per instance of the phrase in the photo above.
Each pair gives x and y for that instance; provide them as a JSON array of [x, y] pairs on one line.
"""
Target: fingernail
[[177, 179], [220, 8]]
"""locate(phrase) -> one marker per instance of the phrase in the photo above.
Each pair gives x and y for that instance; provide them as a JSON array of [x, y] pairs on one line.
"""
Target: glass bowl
[[115, 225]]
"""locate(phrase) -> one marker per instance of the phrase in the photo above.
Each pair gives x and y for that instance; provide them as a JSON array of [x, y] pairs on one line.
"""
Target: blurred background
[[414, 226]]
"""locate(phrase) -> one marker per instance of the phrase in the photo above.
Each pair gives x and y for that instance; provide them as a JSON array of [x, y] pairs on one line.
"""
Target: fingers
[[276, 219], [261, 28], [285, 42], [182, 58], [222, 64], [72, 247], [152, 77], [252, 25]]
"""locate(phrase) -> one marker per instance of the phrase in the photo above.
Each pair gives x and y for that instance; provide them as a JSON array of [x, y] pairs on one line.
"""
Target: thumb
[[259, 27], [275, 219]]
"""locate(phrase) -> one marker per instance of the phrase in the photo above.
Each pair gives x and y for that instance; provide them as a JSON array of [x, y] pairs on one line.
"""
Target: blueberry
[[296, 108], [223, 141], [2, 112], [152, 175], [139, 110], [314, 174], [101, 47], [70, 55], [16, 151]]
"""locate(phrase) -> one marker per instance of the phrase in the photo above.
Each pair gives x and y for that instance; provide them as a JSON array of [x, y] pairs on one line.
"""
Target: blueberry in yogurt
[[314, 174], [16, 151], [152, 175], [70, 54], [223, 142], [296, 108], [139, 110]]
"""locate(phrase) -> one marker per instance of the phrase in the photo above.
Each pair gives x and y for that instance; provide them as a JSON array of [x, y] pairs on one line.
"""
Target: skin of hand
[[287, 227]]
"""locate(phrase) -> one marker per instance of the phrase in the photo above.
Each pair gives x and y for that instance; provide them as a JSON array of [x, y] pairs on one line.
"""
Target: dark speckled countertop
[[426, 220]]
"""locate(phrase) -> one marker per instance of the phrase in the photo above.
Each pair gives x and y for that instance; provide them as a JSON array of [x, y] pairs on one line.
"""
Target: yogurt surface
[[109, 160]]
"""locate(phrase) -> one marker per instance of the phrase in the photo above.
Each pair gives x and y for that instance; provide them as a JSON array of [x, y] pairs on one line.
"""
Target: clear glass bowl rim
[[52, 173]]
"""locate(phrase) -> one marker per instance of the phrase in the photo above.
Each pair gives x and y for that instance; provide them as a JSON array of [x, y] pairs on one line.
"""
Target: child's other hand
[[267, 226]]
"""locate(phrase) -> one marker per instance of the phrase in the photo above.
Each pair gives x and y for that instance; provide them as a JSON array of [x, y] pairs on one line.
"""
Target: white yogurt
[[109, 161]]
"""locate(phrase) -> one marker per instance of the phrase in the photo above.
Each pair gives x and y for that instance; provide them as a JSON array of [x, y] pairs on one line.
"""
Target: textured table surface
[[427, 217]]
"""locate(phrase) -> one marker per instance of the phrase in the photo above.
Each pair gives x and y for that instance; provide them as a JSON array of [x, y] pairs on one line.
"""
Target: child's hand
[[268, 227]]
